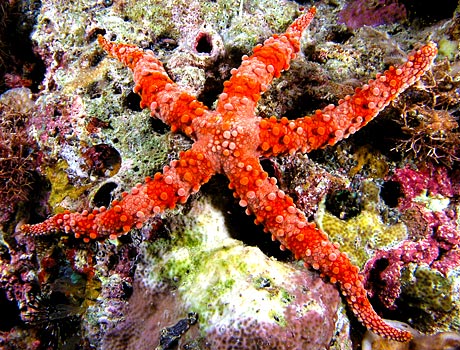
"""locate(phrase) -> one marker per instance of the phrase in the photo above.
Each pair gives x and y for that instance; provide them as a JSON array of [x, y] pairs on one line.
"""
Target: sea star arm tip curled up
[[231, 139]]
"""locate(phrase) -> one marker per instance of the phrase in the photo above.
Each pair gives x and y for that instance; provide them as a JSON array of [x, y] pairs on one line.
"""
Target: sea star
[[231, 139]]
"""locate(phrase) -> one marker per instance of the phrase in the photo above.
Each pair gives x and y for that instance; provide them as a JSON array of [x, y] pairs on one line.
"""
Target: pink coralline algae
[[432, 179], [433, 230], [361, 13]]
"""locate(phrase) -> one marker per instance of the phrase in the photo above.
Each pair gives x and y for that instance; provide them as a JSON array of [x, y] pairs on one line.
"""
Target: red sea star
[[231, 139]]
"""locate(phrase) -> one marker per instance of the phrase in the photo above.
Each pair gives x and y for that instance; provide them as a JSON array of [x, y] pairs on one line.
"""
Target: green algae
[[434, 296], [429, 287], [448, 48], [278, 318]]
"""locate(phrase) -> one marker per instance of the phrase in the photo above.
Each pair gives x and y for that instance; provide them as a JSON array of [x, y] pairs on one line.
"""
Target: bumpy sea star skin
[[231, 139]]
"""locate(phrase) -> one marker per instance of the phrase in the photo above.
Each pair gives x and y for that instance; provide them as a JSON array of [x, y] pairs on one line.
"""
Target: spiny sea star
[[231, 139]]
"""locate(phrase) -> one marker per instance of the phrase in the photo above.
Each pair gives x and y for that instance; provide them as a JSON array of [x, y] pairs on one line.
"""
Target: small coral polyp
[[231, 139]]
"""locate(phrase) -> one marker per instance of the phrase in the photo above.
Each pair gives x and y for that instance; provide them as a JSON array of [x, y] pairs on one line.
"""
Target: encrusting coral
[[360, 235], [230, 140], [244, 299]]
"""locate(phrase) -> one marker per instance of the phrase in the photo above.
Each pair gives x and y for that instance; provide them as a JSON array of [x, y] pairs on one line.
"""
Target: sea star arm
[[184, 176], [277, 213], [334, 123], [174, 185], [173, 105], [242, 91]]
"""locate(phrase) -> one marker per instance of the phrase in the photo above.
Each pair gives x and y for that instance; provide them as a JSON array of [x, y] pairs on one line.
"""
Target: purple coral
[[386, 283], [360, 13]]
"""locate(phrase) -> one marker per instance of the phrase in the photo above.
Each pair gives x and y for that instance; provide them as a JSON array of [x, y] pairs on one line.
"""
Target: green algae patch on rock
[[433, 297]]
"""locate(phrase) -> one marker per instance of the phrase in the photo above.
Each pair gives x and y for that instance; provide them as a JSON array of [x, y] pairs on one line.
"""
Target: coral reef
[[87, 141], [231, 138]]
